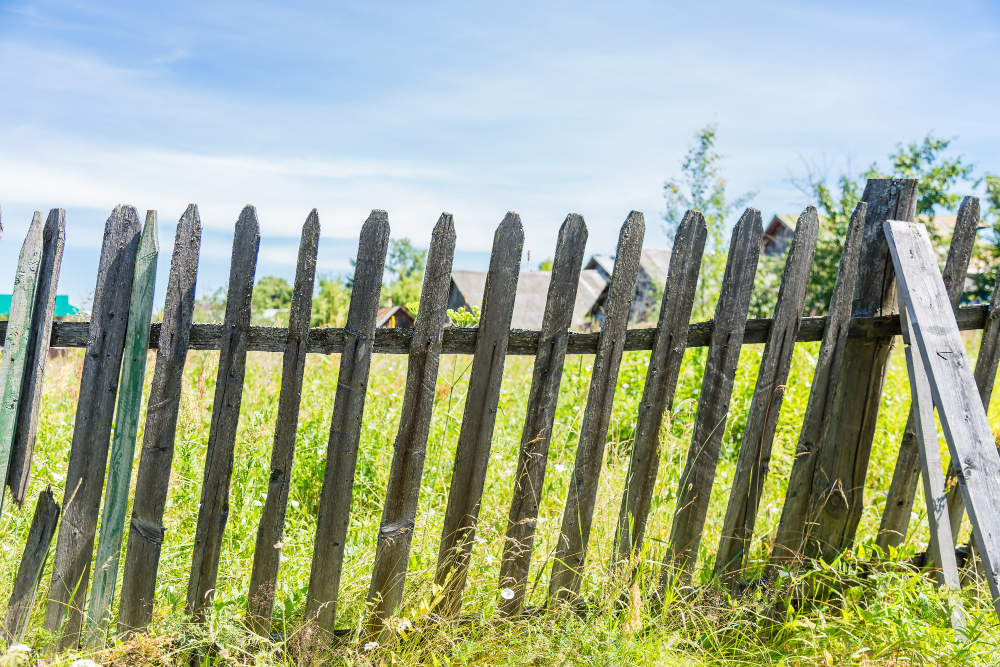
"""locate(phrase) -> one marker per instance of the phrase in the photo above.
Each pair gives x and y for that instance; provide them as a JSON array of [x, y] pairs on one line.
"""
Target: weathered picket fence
[[822, 508]]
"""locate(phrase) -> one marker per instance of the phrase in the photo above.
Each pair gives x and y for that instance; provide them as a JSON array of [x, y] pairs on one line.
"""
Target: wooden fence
[[822, 508]]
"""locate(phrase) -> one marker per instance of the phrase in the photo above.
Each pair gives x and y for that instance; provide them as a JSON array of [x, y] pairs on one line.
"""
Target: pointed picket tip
[[149, 243], [376, 225], [444, 227], [510, 229], [191, 219], [311, 227], [573, 229], [248, 223], [695, 218]]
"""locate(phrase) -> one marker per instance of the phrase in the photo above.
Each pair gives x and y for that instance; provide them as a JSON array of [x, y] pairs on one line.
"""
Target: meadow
[[895, 617]]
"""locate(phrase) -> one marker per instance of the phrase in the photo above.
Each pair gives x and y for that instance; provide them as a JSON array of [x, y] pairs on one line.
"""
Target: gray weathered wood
[[695, 486], [541, 411], [903, 488], [837, 497], [985, 375], [922, 408], [578, 515], [472, 452], [345, 426], [214, 507], [53, 240], [754, 458], [271, 529], [142, 557], [330, 340], [402, 494], [956, 396], [29, 572], [661, 381], [92, 430], [792, 527], [15, 352], [116, 493]]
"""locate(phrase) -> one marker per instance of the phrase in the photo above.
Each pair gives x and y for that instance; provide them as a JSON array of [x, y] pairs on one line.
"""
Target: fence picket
[[541, 411], [695, 486], [92, 430], [17, 347], [271, 529], [842, 462], [142, 557], [661, 382], [345, 425], [402, 493], [214, 511], [53, 240], [574, 534], [29, 573], [753, 460], [116, 492], [792, 527], [903, 488], [472, 452]]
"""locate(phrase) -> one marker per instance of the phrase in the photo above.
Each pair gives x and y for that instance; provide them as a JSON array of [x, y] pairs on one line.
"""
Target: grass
[[894, 618]]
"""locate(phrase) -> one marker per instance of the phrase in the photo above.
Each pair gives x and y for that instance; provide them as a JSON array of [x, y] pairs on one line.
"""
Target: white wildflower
[[403, 626], [84, 662], [480, 540], [560, 467], [19, 648], [370, 646], [295, 503], [507, 594]]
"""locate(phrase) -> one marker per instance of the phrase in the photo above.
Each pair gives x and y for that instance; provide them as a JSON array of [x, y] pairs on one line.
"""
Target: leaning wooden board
[[934, 331]]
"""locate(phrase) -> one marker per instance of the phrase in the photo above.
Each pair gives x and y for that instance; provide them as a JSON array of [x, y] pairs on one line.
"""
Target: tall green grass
[[894, 617]]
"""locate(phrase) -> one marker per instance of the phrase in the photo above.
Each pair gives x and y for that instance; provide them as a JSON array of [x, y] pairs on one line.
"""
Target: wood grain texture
[[345, 426], [14, 364], [793, 525], [214, 507], [402, 493], [116, 492], [695, 485], [956, 396], [546, 377], [661, 382], [837, 498], [92, 430], [922, 408], [271, 529], [578, 515], [53, 241], [903, 488], [472, 452], [754, 459], [29, 572], [146, 529]]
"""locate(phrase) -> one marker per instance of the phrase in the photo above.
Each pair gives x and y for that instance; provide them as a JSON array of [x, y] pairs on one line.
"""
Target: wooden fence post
[[571, 550], [126, 429], [695, 486], [402, 494], [17, 343], [792, 527], [271, 529], [92, 430], [542, 399], [53, 240], [842, 462], [472, 453], [661, 381], [145, 538], [903, 488], [214, 512], [345, 425], [29, 573], [753, 460]]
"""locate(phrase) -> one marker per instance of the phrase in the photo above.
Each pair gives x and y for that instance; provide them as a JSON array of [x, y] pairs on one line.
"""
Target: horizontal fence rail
[[330, 340]]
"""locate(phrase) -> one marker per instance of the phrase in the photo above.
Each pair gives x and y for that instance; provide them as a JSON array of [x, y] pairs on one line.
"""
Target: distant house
[[654, 265], [63, 308], [467, 289], [394, 317], [779, 232]]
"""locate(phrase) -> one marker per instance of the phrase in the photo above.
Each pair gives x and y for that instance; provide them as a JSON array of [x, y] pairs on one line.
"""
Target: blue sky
[[471, 108]]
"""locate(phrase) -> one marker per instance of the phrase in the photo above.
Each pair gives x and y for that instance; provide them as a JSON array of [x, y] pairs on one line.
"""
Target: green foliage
[[331, 302], [211, 307], [464, 318], [702, 188], [925, 161], [271, 293], [404, 267], [545, 265], [988, 253]]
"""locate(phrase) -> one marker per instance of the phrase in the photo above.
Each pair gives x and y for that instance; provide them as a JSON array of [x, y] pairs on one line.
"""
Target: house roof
[[387, 313], [471, 284], [655, 262]]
